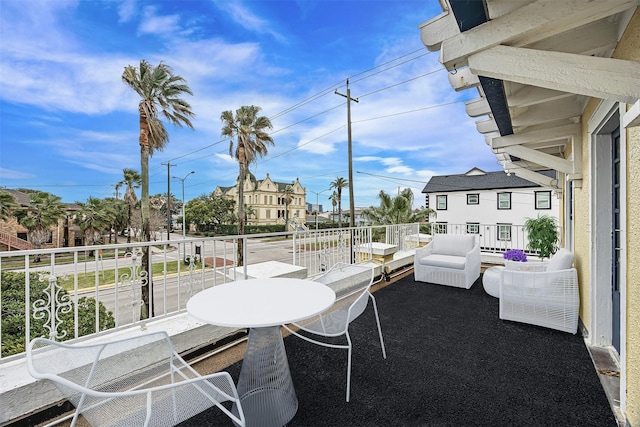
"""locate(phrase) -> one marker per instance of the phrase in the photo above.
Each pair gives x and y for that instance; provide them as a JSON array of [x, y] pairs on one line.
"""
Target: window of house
[[440, 227], [504, 200], [543, 199], [504, 232], [268, 212], [441, 202], [473, 228], [473, 199]]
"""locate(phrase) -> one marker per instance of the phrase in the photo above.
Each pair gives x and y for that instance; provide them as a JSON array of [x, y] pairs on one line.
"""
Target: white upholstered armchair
[[449, 259], [543, 294]]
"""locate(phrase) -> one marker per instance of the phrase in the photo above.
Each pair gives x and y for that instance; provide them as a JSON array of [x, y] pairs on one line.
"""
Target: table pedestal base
[[265, 386]]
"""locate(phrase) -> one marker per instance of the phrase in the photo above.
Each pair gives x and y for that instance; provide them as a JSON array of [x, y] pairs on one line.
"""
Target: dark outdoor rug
[[450, 362]]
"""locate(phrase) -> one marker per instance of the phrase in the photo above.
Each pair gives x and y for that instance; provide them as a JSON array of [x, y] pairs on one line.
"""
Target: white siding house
[[484, 203]]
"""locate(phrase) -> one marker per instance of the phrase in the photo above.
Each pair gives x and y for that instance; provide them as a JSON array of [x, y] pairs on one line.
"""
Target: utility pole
[[168, 198], [351, 202]]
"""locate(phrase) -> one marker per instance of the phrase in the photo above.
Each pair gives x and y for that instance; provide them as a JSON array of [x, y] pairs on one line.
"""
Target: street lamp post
[[184, 232], [317, 193], [318, 204]]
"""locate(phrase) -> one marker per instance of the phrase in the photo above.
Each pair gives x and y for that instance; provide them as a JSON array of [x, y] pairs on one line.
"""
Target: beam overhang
[[605, 78], [532, 176], [542, 135], [543, 159], [534, 22]]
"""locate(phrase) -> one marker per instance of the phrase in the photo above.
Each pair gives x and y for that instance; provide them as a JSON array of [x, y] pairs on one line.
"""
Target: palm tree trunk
[[147, 288], [129, 223], [339, 209], [241, 214]]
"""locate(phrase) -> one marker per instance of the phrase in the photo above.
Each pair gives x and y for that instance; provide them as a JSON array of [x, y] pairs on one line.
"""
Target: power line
[[326, 92]]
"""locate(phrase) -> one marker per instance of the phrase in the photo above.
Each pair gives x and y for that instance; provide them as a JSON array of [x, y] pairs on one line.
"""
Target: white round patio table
[[263, 305]]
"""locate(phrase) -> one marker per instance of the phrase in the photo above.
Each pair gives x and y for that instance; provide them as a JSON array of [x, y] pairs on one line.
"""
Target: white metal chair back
[[138, 381], [352, 285]]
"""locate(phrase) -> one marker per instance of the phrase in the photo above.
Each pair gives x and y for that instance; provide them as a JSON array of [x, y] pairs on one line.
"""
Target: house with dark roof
[[480, 202]]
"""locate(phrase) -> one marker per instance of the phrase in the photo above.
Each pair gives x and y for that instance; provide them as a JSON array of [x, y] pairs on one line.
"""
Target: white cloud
[[152, 23], [14, 174], [127, 10], [246, 18]]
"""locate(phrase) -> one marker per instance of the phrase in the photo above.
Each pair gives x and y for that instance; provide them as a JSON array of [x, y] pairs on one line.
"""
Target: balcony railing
[[81, 291]]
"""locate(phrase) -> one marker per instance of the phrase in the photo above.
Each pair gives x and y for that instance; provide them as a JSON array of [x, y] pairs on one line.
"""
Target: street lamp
[[184, 232], [318, 204]]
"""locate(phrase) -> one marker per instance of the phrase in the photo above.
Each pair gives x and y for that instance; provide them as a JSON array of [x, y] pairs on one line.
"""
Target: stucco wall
[[629, 48], [581, 219]]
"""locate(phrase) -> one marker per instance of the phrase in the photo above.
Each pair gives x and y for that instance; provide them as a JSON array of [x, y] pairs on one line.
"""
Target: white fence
[[57, 296], [82, 291]]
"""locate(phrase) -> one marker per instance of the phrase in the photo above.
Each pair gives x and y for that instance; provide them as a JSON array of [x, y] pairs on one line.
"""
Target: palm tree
[[339, 184], [160, 91], [395, 210], [288, 198], [44, 210], [133, 180], [94, 218], [120, 218], [334, 202], [7, 204], [249, 211], [252, 140]]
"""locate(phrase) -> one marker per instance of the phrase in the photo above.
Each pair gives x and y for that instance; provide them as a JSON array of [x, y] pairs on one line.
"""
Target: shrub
[[13, 317]]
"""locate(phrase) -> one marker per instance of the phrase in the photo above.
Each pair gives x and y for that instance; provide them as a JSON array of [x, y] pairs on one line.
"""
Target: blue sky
[[68, 125]]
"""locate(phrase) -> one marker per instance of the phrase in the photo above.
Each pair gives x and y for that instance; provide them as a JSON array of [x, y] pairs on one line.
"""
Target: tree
[[288, 198], [120, 218], [339, 184], [94, 218], [334, 202], [396, 210], [160, 91], [159, 201], [249, 211], [43, 212], [133, 180], [209, 209], [7, 204], [249, 129]]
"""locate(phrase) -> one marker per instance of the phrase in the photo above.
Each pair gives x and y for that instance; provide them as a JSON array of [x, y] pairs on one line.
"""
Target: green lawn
[[107, 277]]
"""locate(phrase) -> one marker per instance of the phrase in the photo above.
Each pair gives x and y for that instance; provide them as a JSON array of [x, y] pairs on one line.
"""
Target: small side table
[[381, 253], [491, 281]]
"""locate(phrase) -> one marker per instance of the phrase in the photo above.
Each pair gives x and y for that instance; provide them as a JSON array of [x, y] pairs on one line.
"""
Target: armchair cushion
[[562, 260], [455, 245], [444, 261]]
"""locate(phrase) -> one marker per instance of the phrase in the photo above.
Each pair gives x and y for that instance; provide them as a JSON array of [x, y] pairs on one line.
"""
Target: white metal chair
[[543, 294], [138, 381], [352, 285]]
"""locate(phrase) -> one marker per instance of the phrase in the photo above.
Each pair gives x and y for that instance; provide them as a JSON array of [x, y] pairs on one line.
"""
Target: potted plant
[[513, 257], [543, 235]]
